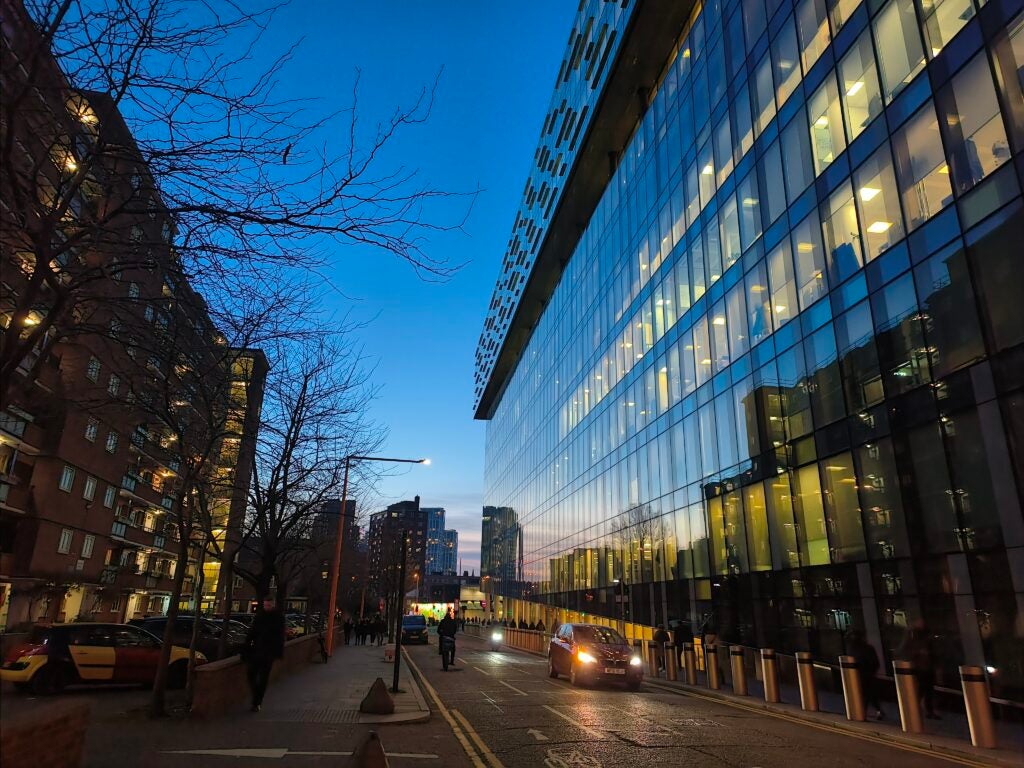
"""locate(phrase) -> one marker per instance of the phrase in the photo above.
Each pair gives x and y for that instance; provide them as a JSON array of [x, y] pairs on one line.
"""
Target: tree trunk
[[197, 597], [227, 571], [156, 701]]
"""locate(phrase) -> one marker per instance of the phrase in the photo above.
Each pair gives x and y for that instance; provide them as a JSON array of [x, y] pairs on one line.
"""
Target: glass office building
[[755, 359]]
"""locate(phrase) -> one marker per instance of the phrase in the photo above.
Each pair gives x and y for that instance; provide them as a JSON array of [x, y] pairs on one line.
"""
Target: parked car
[[588, 653], [414, 629], [243, 618], [208, 640], [59, 655]]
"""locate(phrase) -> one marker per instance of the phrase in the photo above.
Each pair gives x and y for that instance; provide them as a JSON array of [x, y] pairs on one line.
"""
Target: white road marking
[[482, 671], [517, 690], [570, 759], [537, 734], [594, 733]]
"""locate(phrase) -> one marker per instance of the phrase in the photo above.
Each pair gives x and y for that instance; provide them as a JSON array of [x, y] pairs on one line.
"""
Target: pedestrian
[[660, 638], [378, 629], [540, 625], [446, 640], [463, 624], [866, 656], [347, 629], [917, 650], [683, 634], [360, 631], [264, 644]]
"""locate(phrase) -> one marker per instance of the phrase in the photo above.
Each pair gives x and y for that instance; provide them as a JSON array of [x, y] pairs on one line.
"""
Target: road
[[504, 706]]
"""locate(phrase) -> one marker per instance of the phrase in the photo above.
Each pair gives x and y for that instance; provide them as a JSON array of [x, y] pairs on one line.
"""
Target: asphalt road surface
[[507, 712]]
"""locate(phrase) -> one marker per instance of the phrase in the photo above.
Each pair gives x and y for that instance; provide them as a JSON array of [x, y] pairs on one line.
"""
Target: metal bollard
[[805, 675], [853, 694], [690, 663], [671, 662], [638, 649], [711, 666], [770, 672], [979, 708], [907, 696], [652, 659], [739, 674]]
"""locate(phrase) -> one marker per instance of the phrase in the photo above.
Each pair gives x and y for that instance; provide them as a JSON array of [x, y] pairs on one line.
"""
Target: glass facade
[[777, 390]]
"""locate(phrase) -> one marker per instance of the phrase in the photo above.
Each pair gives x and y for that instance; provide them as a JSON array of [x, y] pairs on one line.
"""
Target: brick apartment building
[[89, 475], [384, 545]]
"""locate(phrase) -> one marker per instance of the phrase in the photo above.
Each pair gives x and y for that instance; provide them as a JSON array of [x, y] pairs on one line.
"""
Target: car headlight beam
[[636, 661], [585, 657], [496, 637]]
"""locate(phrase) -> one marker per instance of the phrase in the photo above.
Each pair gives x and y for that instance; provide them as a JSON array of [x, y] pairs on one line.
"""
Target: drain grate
[[322, 715]]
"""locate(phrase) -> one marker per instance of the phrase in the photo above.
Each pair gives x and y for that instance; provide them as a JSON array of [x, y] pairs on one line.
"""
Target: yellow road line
[[456, 729], [491, 757], [825, 727]]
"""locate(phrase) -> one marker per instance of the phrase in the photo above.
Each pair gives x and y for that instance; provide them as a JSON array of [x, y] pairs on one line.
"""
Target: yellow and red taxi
[[58, 655]]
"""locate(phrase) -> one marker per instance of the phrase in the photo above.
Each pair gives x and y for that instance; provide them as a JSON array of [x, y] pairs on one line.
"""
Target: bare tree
[[314, 416], [114, 108]]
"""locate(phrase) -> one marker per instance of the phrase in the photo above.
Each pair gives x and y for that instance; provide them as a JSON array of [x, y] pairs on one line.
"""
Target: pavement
[[493, 710]]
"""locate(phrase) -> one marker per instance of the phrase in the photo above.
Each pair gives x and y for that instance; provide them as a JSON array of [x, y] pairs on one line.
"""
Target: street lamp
[[336, 565]]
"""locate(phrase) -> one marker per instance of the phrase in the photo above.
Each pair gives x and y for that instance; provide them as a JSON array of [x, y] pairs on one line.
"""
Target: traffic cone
[[378, 701], [370, 753]]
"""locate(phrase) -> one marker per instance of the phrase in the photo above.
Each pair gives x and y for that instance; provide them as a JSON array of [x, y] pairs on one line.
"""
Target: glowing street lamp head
[[425, 461]]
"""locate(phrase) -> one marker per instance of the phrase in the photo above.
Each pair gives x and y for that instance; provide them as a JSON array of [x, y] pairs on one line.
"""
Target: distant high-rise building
[[442, 544], [325, 523], [384, 543]]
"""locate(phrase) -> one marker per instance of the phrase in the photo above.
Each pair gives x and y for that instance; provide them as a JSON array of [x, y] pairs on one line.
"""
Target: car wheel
[[23, 687], [633, 685], [574, 677], [552, 672], [48, 680], [177, 675]]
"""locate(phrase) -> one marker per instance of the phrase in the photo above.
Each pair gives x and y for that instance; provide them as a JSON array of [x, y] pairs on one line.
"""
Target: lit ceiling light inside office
[[854, 89], [878, 227], [821, 122], [707, 170], [869, 193], [718, 321]]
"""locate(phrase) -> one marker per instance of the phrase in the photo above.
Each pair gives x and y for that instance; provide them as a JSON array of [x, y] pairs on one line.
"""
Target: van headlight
[[636, 661]]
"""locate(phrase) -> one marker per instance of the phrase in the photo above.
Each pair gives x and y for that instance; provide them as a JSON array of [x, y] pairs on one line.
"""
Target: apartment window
[[89, 490], [840, 12], [133, 290], [109, 496], [796, 157], [810, 261], [783, 284], [147, 313], [785, 60], [67, 478], [1008, 55], [877, 203], [114, 385], [842, 235], [812, 24], [826, 124], [66, 537], [111, 442], [92, 370], [92, 428], [87, 546], [858, 80], [898, 42], [759, 310], [942, 20], [921, 168], [764, 94], [773, 190], [974, 128]]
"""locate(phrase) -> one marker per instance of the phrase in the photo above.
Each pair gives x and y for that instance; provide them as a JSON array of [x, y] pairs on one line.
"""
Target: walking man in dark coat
[[264, 645]]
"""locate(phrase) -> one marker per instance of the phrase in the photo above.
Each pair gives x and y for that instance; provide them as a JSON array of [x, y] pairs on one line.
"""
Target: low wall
[[50, 736], [222, 685]]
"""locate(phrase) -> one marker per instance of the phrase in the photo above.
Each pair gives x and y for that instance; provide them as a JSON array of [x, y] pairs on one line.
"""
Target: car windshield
[[414, 621], [598, 635]]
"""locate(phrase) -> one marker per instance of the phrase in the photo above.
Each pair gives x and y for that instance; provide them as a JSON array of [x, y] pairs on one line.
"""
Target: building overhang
[[648, 41]]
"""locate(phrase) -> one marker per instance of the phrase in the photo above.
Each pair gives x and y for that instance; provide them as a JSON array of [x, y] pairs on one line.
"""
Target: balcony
[[109, 574]]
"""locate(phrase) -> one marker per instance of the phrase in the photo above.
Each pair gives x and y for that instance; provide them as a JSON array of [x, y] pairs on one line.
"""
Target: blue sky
[[499, 62]]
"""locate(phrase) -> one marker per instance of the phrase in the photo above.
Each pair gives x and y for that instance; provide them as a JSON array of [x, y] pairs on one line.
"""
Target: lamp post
[[336, 565]]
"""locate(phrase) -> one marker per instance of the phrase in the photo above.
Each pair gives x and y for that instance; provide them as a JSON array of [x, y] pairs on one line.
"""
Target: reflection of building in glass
[[766, 376]]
